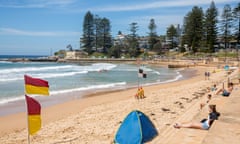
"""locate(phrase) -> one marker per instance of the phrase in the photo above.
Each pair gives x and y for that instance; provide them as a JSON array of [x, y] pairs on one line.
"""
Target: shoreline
[[18, 105], [88, 98], [86, 118]]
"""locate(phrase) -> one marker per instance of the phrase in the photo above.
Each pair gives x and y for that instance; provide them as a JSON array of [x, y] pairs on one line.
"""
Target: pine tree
[[133, 41], [236, 14], [193, 28], [88, 33], [226, 24], [211, 27], [106, 35], [152, 40], [171, 34]]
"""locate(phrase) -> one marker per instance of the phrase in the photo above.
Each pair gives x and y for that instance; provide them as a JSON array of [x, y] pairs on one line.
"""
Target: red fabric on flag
[[33, 106], [35, 81]]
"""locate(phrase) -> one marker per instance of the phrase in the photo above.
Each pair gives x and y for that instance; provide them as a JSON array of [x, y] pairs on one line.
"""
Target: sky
[[42, 27]]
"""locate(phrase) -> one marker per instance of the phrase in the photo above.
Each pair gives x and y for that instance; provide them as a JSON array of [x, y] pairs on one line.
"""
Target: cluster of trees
[[97, 37], [200, 32], [96, 33], [201, 29]]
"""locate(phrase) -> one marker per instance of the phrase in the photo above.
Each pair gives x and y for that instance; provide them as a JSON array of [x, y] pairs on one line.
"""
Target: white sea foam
[[103, 86], [14, 74], [54, 75], [5, 62], [31, 69], [11, 99], [111, 85], [76, 77], [15, 77], [179, 76]]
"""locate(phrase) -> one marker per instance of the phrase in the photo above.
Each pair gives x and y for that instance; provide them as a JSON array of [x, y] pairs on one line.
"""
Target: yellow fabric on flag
[[30, 89], [34, 123]]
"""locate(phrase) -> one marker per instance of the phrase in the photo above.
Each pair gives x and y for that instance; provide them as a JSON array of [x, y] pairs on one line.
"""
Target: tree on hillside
[[106, 34], [236, 14], [226, 24], [153, 38], [133, 40], [69, 47], [158, 47], [88, 33], [97, 33], [211, 27], [171, 34], [193, 28]]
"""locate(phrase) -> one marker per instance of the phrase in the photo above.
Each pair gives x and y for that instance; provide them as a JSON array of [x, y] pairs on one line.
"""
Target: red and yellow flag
[[36, 86], [34, 115]]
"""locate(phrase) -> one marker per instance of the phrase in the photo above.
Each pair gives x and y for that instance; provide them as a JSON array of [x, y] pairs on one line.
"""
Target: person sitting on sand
[[205, 123], [209, 96], [214, 88], [226, 92]]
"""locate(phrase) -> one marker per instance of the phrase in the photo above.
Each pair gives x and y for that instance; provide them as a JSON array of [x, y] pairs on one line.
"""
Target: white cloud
[[12, 31], [36, 3], [160, 4]]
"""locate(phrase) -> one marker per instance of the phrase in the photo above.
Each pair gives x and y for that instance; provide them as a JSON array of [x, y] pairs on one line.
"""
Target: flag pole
[[26, 107], [28, 135], [138, 62]]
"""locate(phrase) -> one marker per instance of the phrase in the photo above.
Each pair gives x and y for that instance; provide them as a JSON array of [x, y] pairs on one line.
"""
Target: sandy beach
[[95, 119]]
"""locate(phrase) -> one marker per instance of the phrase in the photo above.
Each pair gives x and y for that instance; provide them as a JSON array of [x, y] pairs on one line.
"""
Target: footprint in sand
[[165, 109]]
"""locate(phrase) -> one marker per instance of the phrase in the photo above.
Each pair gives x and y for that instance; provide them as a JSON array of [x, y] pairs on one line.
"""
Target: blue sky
[[39, 27]]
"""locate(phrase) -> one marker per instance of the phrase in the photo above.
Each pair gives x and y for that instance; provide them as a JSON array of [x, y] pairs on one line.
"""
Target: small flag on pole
[[34, 115], [141, 74], [144, 75], [36, 86]]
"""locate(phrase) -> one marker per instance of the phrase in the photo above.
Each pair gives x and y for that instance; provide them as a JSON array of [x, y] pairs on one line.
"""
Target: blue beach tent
[[226, 67], [135, 129]]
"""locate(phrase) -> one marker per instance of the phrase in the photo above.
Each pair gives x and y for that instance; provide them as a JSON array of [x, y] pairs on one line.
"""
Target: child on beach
[[214, 88], [205, 123], [137, 94], [140, 93]]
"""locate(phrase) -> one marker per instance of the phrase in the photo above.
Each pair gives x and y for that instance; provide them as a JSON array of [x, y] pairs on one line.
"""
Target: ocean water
[[67, 77]]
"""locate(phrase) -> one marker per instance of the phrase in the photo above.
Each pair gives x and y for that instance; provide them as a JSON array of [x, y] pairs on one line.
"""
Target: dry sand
[[96, 119]]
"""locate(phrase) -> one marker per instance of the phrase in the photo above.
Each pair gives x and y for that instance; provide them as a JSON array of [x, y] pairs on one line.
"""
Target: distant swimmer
[[102, 70]]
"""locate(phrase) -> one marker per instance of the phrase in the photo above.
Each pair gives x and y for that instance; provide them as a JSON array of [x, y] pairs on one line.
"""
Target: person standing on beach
[[206, 75], [141, 93]]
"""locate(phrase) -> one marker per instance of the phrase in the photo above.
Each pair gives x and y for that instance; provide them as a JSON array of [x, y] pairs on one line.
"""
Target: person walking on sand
[[204, 124], [208, 75], [205, 74]]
